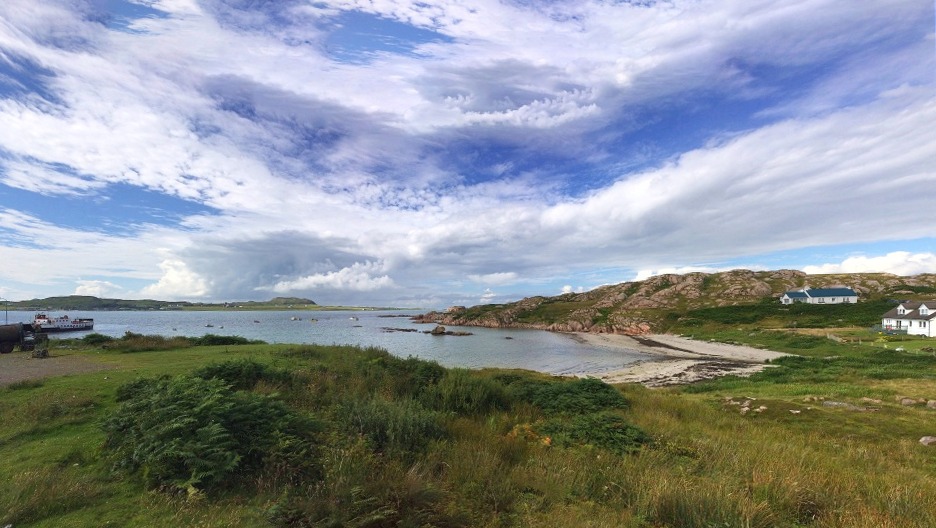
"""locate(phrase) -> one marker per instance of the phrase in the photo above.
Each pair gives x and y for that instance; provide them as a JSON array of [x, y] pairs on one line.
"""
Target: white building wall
[[913, 327], [829, 300]]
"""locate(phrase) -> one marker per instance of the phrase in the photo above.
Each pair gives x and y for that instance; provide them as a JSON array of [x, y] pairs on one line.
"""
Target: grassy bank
[[366, 439]]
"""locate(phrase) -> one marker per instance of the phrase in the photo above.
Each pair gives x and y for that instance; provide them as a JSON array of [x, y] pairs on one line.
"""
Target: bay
[[538, 350]]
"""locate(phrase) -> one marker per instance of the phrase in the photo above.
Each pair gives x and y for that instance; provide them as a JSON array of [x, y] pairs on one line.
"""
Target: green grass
[[771, 314], [405, 442]]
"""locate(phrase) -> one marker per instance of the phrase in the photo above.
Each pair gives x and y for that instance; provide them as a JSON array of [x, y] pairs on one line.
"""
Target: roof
[[795, 294], [913, 312], [821, 292], [831, 292]]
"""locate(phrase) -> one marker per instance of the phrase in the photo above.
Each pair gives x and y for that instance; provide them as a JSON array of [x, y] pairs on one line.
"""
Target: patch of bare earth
[[21, 366]]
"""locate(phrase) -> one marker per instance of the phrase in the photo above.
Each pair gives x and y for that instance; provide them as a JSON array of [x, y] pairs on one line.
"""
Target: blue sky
[[425, 154]]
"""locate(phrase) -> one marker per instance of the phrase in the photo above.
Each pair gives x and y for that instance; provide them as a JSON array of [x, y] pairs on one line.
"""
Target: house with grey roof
[[916, 318], [820, 296]]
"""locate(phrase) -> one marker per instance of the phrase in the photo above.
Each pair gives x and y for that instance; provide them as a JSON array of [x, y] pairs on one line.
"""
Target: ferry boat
[[44, 323]]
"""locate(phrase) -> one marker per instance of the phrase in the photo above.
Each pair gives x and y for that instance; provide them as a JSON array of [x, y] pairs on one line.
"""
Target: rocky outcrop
[[635, 308]]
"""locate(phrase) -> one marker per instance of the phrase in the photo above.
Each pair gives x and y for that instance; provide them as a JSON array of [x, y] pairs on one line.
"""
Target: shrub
[[462, 392], [95, 339], [191, 433], [582, 396], [214, 340], [242, 374], [416, 375], [399, 428], [605, 430], [133, 342]]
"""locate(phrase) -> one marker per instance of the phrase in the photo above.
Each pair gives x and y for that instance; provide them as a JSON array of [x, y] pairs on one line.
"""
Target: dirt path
[[20, 366]]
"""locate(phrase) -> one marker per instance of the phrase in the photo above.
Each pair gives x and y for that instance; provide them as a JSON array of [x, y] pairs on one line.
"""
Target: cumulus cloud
[[177, 282], [357, 277], [98, 288], [495, 278], [897, 262]]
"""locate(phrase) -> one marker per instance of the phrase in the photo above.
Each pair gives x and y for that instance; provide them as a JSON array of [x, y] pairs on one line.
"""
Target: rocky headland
[[639, 307]]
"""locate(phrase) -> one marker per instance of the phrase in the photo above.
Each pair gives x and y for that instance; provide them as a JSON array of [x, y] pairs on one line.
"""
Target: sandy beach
[[673, 360]]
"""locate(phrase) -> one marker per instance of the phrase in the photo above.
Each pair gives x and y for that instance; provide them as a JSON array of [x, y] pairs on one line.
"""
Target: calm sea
[[527, 349]]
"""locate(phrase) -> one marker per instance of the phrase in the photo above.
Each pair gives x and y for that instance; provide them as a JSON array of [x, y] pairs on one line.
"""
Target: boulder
[[438, 330]]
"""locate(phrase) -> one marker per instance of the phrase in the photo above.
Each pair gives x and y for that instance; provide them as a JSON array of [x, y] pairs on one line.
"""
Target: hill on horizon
[[640, 307], [91, 303]]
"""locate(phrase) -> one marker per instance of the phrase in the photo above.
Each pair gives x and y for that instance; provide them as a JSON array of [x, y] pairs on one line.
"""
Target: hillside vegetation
[[655, 304]]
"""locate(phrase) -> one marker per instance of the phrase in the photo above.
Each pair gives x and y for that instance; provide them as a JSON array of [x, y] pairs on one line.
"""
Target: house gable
[[918, 318]]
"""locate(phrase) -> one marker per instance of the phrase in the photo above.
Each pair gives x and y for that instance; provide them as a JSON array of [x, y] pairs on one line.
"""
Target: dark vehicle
[[17, 334]]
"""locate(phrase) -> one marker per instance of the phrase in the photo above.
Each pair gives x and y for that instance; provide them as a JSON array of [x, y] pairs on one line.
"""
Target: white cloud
[[495, 279], [43, 180], [357, 277], [488, 296], [898, 262], [177, 282], [98, 288]]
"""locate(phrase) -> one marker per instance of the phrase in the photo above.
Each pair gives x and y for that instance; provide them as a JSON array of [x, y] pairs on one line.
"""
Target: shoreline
[[677, 360]]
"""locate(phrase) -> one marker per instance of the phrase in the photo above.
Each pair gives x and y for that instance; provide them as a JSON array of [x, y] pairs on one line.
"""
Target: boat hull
[[71, 328]]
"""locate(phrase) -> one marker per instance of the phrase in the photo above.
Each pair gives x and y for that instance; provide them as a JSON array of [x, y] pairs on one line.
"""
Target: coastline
[[675, 360]]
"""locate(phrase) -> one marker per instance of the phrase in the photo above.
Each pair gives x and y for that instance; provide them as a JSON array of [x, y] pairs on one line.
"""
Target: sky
[[435, 153]]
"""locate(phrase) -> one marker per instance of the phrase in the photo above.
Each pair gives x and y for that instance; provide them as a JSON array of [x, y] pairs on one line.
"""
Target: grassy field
[[356, 437]]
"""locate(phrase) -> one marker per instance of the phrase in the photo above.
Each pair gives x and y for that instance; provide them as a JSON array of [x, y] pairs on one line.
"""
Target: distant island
[[91, 303]]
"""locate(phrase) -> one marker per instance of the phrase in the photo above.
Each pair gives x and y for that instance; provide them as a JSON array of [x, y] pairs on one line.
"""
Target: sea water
[[538, 350]]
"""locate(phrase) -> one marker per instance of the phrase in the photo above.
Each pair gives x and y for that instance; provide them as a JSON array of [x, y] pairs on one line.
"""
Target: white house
[[917, 318], [820, 296]]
